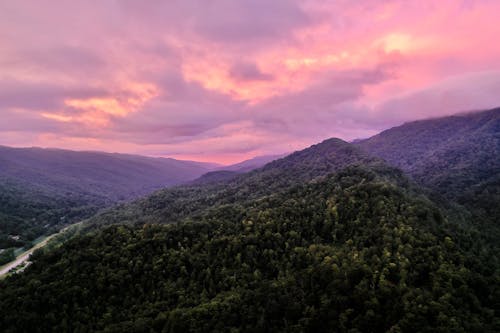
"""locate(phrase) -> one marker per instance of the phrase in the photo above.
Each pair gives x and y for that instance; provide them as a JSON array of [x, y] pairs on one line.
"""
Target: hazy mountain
[[443, 152], [216, 177], [253, 163], [43, 188], [457, 157], [106, 176]]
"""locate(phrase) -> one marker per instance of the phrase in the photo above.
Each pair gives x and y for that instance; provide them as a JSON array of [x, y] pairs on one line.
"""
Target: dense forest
[[353, 251], [26, 214], [327, 239]]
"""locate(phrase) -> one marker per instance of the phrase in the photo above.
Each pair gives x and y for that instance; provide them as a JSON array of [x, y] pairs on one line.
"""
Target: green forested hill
[[353, 251], [327, 239]]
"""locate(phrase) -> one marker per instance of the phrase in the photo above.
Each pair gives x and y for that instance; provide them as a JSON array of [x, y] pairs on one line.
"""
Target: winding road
[[23, 257]]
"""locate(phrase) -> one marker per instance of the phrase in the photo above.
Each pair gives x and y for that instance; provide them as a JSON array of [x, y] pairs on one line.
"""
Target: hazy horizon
[[234, 162]]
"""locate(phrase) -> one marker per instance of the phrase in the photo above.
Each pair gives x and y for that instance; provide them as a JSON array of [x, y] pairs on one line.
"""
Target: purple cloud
[[247, 71]]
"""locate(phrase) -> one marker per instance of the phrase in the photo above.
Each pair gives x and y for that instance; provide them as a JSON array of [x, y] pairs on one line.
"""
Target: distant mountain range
[[103, 176], [42, 189], [395, 233]]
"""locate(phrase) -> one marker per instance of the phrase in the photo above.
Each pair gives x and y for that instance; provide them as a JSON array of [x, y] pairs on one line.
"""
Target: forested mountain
[[41, 189], [327, 239], [457, 158], [350, 251], [96, 175], [453, 155]]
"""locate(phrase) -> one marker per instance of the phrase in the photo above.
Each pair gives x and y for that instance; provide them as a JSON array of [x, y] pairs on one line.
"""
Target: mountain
[[226, 173], [253, 163], [325, 239], [216, 176], [456, 157], [41, 189], [103, 176], [450, 154]]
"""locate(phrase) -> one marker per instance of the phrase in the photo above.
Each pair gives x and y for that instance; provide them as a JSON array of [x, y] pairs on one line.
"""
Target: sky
[[226, 80]]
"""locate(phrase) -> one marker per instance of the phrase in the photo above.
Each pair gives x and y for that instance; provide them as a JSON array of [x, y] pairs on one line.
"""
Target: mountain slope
[[354, 251], [253, 163], [328, 239], [450, 154], [458, 159], [97, 175], [41, 189], [229, 172]]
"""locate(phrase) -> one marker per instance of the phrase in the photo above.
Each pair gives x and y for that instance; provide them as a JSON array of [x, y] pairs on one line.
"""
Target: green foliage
[[6, 256], [352, 252], [185, 203], [26, 214]]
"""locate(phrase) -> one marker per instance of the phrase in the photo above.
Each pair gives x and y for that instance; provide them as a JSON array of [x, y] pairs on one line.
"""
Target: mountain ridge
[[42, 189]]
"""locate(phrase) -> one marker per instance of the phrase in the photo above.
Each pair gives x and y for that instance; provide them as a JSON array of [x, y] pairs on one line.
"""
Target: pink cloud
[[226, 80]]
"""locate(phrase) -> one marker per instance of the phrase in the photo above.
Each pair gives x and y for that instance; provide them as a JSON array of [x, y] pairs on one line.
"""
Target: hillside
[[325, 239], [456, 157], [41, 189], [96, 175], [253, 163], [451, 154]]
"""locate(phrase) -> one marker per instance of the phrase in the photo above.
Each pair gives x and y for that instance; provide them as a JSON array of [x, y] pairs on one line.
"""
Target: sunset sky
[[226, 80]]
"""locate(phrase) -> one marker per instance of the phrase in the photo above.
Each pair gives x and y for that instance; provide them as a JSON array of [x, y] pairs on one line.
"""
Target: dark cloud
[[246, 20], [223, 21], [248, 71]]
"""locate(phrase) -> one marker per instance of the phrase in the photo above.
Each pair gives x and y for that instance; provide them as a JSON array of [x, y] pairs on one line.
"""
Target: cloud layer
[[226, 80]]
